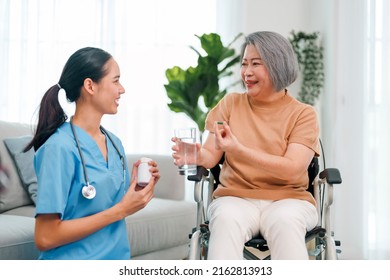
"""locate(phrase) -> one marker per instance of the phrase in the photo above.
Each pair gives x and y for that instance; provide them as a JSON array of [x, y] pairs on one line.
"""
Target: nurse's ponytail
[[51, 116], [85, 63]]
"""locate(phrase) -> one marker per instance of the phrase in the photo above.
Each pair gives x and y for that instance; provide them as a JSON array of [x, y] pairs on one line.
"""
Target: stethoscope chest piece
[[88, 191]]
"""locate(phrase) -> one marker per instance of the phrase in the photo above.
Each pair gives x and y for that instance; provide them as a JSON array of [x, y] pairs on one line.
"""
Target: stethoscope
[[89, 191]]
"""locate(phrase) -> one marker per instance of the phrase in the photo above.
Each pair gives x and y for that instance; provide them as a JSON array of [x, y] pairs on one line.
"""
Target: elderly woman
[[268, 139]]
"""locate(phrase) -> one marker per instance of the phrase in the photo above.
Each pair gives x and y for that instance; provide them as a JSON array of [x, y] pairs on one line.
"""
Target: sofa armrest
[[171, 185]]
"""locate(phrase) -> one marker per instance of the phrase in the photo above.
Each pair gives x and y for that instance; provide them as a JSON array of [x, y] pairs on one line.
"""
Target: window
[[145, 37]]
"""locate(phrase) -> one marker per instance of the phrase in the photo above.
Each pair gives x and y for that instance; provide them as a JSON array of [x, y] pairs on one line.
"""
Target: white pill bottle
[[144, 174]]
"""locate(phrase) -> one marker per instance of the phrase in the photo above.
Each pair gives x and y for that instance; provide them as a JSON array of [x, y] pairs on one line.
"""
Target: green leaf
[[197, 87]]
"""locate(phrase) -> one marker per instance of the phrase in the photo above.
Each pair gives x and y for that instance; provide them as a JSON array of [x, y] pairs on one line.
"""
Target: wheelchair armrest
[[200, 172], [332, 175]]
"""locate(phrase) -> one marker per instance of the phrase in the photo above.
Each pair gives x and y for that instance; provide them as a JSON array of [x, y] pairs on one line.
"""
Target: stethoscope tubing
[[88, 190]]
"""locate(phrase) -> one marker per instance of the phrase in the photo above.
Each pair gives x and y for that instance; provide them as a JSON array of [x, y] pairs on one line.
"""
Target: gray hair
[[277, 55]]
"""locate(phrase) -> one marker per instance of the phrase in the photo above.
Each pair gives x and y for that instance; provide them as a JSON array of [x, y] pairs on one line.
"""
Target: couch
[[159, 231]]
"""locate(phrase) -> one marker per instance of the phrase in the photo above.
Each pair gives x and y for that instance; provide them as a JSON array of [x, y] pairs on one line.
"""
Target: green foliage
[[196, 90], [310, 58]]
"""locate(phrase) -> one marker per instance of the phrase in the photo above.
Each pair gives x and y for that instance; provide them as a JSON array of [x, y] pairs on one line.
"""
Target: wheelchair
[[320, 241]]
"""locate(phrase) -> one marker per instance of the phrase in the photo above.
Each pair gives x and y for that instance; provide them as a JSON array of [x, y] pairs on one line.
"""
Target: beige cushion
[[171, 185], [17, 238], [161, 225]]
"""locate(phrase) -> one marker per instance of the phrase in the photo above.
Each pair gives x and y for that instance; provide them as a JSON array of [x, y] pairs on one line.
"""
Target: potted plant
[[310, 58], [196, 90]]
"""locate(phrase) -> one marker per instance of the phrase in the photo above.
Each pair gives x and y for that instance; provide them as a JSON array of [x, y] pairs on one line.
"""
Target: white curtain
[[145, 37], [377, 132], [356, 123]]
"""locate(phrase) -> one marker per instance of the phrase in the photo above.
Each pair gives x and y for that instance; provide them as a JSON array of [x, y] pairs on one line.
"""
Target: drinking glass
[[186, 140]]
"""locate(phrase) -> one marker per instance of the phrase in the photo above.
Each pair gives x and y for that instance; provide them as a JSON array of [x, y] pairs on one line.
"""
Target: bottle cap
[[145, 159]]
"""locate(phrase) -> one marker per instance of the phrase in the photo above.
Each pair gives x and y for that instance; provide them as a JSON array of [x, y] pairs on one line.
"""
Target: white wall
[[254, 15]]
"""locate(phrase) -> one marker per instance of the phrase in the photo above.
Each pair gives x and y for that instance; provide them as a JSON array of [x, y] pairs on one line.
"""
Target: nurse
[[84, 187]]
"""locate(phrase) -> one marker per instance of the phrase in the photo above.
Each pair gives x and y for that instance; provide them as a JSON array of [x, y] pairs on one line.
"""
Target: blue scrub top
[[60, 180]]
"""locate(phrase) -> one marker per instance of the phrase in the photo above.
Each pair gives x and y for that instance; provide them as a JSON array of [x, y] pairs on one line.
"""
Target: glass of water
[[186, 141]]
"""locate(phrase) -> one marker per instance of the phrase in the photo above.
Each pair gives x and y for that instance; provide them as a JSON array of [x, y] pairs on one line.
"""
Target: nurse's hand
[[138, 197]]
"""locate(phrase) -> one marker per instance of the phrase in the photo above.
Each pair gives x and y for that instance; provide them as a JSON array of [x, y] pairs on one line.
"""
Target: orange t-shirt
[[267, 127]]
